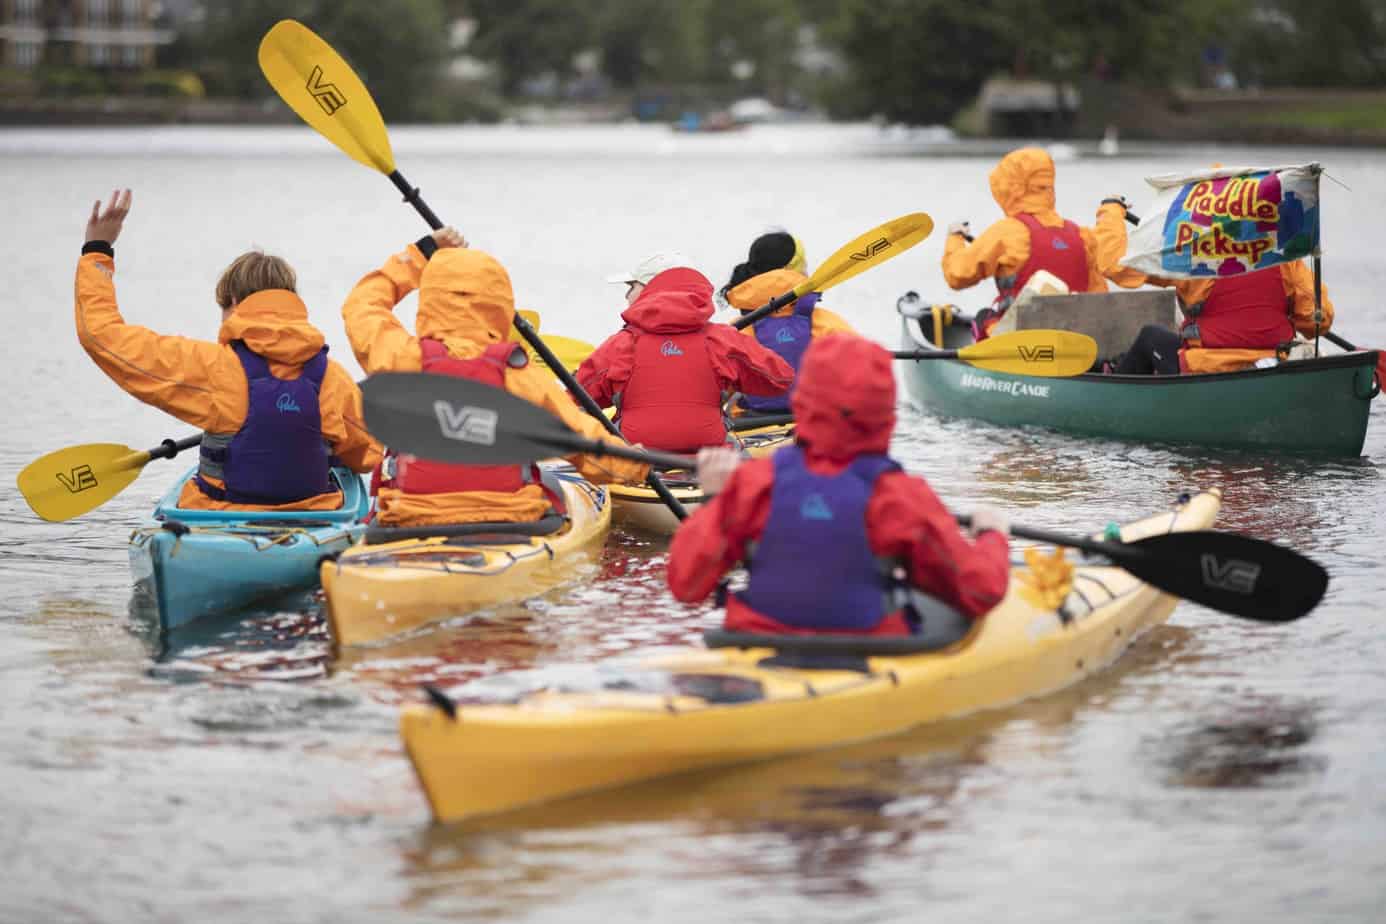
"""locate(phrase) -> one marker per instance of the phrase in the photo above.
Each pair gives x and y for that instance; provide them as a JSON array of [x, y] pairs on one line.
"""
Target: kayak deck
[[706, 708], [638, 507], [195, 563], [376, 591]]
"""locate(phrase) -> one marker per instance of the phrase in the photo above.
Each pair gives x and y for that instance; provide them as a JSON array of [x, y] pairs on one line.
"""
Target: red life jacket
[[1249, 311], [423, 476], [1059, 250], [673, 400]]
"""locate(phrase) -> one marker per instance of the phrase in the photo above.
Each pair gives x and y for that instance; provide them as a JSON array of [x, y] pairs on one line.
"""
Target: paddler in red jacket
[[824, 515], [668, 370]]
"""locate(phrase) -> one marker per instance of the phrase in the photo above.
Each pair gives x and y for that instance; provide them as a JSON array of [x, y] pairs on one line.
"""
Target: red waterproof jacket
[[668, 367], [844, 404]]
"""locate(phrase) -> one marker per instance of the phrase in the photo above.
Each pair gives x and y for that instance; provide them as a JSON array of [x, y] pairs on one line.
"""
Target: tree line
[[916, 61]]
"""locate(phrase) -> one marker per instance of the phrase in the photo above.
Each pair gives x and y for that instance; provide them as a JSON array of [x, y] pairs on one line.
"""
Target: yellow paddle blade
[[69, 482], [326, 93], [569, 350], [870, 249], [1050, 353]]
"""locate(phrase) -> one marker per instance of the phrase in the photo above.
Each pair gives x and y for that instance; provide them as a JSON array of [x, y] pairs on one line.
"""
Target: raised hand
[[104, 225]]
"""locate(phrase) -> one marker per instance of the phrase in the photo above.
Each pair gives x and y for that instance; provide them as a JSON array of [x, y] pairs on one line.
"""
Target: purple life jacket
[[813, 567], [278, 456], [788, 336]]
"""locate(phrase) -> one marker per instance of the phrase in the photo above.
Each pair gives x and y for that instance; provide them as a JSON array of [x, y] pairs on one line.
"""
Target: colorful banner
[[1227, 221]]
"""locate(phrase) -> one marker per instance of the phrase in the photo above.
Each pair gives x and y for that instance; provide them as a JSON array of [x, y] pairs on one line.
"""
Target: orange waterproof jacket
[[758, 290], [1296, 278], [1022, 183], [203, 384], [466, 303]]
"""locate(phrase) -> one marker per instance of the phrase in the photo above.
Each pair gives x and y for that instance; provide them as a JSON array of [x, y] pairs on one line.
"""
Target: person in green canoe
[[822, 514]]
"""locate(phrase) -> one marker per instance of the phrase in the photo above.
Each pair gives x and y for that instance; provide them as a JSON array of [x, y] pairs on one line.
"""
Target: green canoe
[[1307, 406]]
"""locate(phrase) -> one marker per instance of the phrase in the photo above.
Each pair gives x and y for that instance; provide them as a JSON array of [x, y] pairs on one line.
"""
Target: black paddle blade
[[449, 419], [1245, 577]]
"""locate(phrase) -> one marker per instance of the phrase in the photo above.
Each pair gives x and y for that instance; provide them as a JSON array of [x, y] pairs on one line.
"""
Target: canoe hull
[[376, 591], [551, 744], [1316, 406], [195, 563]]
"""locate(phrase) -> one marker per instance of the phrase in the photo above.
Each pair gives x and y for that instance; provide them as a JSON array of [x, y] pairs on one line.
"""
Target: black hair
[[771, 251]]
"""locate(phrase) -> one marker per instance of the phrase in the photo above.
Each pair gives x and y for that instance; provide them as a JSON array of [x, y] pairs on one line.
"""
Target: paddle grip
[[411, 195], [170, 448]]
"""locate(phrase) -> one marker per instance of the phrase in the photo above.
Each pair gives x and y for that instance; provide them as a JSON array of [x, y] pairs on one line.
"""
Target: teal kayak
[[1310, 406], [194, 563]]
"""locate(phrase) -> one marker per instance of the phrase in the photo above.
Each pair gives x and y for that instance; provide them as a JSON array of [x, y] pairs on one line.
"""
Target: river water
[[1221, 770]]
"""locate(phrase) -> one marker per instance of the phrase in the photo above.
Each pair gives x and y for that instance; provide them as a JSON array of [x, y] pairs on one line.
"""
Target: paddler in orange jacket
[[1032, 237], [1229, 322], [775, 265], [827, 520], [273, 408], [466, 312]]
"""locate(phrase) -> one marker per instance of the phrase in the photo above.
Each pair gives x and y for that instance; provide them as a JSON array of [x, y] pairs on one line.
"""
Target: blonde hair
[[251, 272]]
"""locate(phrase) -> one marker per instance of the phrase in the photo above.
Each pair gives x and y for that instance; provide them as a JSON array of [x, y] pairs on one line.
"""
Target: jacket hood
[[274, 324], [675, 301], [844, 397], [1024, 183], [465, 294], [758, 290]]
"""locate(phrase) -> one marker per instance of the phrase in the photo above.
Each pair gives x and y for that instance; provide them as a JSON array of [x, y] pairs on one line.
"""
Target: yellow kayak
[[378, 589], [639, 507], [705, 708]]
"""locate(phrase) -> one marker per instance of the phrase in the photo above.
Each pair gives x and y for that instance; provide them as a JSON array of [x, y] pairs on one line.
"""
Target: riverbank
[[1301, 117]]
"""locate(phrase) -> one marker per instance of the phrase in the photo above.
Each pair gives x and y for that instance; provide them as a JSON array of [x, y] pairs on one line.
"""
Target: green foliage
[[527, 38], [918, 61], [398, 47], [1312, 43], [71, 82]]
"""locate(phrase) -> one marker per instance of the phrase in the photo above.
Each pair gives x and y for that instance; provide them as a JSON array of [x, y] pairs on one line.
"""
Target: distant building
[[99, 34]]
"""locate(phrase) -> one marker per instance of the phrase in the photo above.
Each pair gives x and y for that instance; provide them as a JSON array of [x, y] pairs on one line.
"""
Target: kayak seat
[[470, 533]]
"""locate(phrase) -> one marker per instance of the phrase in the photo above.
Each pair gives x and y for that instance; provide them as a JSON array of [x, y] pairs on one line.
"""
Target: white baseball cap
[[652, 266]]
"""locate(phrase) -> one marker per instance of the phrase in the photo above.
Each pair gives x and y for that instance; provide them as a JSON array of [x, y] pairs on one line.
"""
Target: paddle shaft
[[411, 195], [1111, 550], [925, 354], [170, 448], [746, 320], [527, 331]]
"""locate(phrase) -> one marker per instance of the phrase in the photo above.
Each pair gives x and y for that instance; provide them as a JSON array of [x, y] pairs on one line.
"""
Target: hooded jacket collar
[[675, 301], [274, 324]]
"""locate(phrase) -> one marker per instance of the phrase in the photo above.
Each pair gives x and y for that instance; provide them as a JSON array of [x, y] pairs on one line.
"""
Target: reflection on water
[[243, 768], [1257, 744]]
